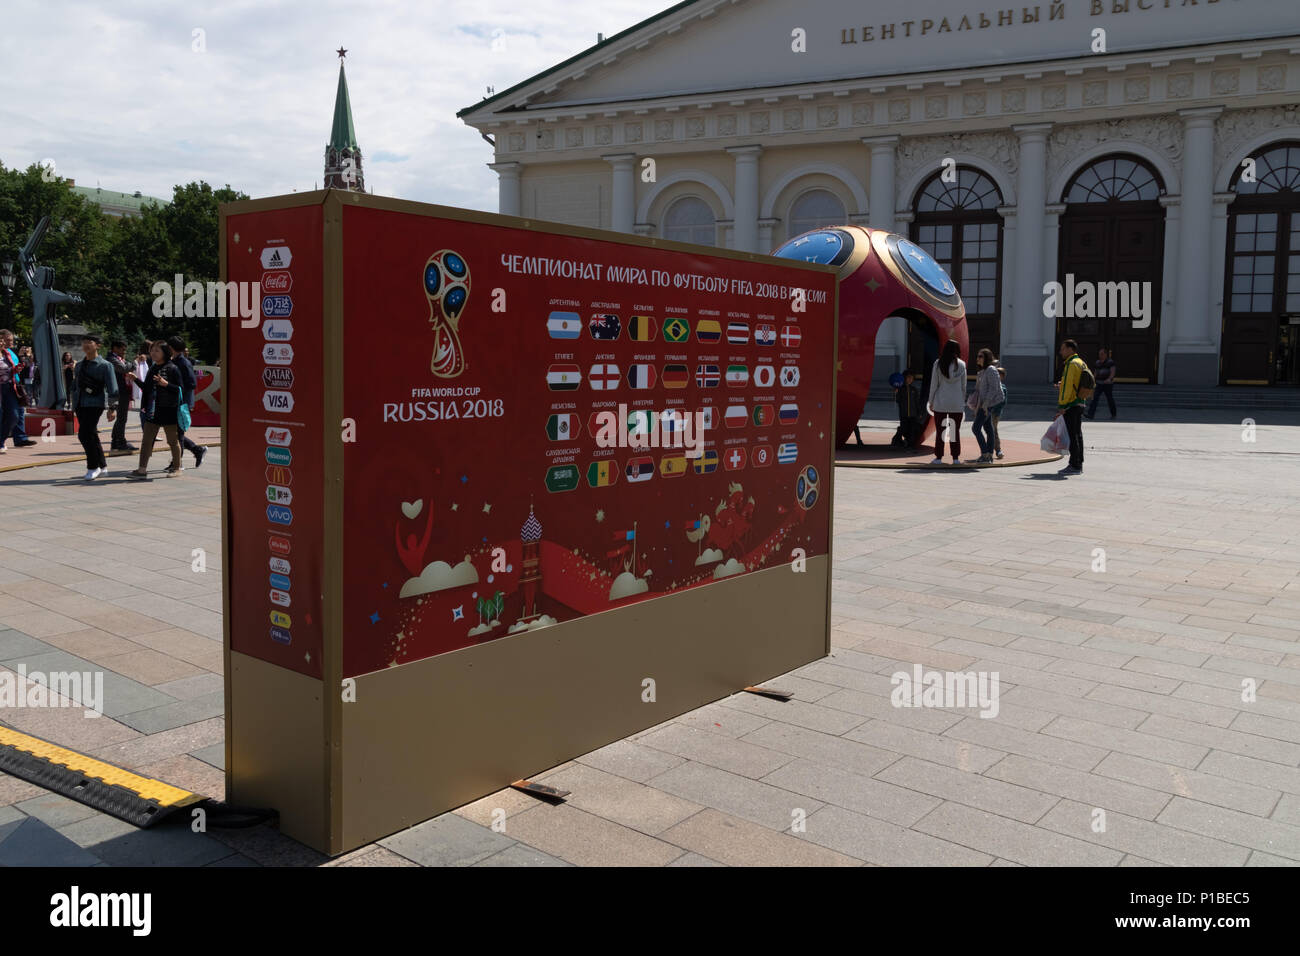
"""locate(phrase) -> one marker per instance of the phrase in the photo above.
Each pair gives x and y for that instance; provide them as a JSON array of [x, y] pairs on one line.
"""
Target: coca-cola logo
[[277, 282]]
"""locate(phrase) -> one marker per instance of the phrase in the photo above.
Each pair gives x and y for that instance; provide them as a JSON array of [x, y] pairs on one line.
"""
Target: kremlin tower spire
[[343, 155]]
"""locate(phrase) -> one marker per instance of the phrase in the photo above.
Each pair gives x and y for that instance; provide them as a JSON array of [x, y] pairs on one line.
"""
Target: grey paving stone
[[176, 713], [1086, 787], [1137, 701], [620, 800], [694, 859], [812, 716], [55, 810], [716, 750], [121, 695], [1208, 787], [162, 845], [235, 859], [1087, 708], [1127, 741], [725, 720], [1012, 840], [873, 797], [1243, 829], [17, 646], [214, 754], [1232, 741], [990, 734], [739, 796], [631, 760], [520, 855], [1153, 841], [10, 814], [448, 840], [826, 749], [31, 842], [96, 829], [886, 844], [995, 795]]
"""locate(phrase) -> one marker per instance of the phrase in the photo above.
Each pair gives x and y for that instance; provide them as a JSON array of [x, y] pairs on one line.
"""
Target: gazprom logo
[[279, 456], [279, 514]]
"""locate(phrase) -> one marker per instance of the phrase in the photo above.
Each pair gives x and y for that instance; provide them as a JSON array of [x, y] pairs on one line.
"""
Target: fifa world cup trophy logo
[[446, 283]]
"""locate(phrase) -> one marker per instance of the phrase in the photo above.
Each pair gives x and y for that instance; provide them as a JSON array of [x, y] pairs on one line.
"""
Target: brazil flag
[[676, 330]]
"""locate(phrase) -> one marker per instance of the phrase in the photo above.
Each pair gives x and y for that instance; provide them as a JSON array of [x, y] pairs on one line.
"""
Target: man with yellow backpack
[[1076, 387]]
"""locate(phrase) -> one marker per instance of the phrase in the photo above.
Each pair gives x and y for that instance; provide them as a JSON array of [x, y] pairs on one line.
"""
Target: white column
[[508, 193], [1173, 207], [745, 229], [1027, 320], [765, 227], [623, 212], [1193, 351], [1051, 261], [1008, 214], [880, 197]]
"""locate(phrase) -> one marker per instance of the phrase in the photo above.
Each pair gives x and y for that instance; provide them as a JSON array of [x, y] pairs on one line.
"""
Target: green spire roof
[[343, 135]]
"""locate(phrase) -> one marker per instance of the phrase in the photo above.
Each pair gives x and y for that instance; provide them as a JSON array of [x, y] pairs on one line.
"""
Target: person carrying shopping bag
[[948, 400]]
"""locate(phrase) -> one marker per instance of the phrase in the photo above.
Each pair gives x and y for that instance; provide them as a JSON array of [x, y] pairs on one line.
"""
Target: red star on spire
[[341, 52]]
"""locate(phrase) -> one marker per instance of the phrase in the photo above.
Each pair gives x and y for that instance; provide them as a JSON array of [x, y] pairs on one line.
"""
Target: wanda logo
[[277, 282]]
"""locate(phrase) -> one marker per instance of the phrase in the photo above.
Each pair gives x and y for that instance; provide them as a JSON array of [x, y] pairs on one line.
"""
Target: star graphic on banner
[[821, 434], [458, 613], [454, 506], [307, 657], [374, 617], [236, 238], [873, 285], [600, 514], [486, 507], [667, 525], [393, 662], [464, 479]]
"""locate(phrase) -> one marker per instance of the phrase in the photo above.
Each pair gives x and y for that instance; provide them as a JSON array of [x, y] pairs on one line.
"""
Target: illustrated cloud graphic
[[725, 570], [439, 576], [626, 585], [709, 555]]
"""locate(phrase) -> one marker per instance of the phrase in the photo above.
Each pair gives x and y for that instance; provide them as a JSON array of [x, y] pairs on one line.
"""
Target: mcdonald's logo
[[279, 475]]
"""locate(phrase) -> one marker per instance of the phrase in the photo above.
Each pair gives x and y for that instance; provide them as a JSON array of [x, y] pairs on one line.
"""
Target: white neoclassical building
[[1139, 141]]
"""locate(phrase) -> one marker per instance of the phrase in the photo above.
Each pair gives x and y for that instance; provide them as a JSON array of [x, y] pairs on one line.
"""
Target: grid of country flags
[[608, 376]]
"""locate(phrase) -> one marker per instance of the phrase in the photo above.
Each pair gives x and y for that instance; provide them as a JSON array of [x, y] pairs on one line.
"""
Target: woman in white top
[[948, 400], [988, 396]]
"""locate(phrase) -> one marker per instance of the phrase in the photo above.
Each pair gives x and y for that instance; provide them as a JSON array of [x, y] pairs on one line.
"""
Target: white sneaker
[[92, 474], [3, 450], [937, 461]]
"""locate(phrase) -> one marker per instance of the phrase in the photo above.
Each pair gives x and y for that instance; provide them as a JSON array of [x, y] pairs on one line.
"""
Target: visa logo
[[279, 514]]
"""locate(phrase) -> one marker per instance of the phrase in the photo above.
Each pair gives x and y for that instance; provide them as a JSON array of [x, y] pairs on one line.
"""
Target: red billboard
[[548, 426]]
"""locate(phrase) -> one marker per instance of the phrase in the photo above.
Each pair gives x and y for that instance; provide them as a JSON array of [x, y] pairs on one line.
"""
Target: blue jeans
[[983, 428]]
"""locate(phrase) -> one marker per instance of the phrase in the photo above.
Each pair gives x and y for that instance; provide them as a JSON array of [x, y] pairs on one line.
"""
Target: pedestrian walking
[[16, 401], [1105, 375], [988, 395], [189, 382], [94, 391], [948, 400], [1076, 379], [117, 358], [69, 368], [161, 397], [141, 370], [996, 412]]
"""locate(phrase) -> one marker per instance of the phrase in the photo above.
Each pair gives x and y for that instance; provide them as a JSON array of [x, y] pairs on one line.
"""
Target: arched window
[[690, 219], [814, 209], [1261, 323], [958, 224], [1114, 179]]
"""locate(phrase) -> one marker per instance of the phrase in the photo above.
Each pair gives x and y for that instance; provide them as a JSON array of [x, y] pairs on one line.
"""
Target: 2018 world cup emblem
[[446, 284]]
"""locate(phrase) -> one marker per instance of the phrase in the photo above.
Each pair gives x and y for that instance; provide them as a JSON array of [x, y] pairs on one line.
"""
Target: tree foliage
[[113, 262]]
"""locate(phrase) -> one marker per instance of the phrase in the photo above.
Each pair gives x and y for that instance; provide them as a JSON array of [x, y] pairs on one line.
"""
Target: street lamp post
[[8, 278]]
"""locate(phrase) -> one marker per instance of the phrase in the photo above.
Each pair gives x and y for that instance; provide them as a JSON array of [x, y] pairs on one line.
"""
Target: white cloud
[[626, 585], [726, 570], [117, 97], [708, 556], [544, 621], [439, 576]]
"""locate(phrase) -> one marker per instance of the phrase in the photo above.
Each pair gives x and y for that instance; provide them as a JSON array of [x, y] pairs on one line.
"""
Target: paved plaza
[[1125, 732]]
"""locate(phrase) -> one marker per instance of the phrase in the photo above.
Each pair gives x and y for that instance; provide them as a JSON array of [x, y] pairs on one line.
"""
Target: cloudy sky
[[125, 94]]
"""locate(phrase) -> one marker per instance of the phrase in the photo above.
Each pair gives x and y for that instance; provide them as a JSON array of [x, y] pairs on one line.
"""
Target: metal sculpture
[[45, 326]]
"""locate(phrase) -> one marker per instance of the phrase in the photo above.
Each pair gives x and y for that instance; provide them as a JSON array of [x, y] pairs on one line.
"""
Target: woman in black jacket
[[159, 400]]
